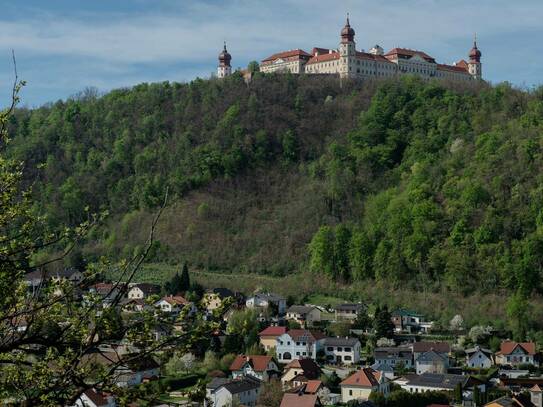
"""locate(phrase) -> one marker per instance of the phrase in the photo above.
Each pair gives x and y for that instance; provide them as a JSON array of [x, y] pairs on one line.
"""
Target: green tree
[[518, 311], [382, 323]]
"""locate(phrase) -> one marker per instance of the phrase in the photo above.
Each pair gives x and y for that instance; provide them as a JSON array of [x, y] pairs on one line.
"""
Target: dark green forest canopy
[[404, 181]]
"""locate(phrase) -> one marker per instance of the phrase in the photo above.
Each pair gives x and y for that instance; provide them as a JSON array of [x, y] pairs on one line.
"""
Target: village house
[[518, 400], [432, 362], [441, 382], [214, 298], [409, 321], [316, 387], [418, 348], [108, 292], [478, 357], [134, 305], [268, 336], [394, 356], [172, 304], [140, 291], [300, 400], [304, 315], [298, 344], [267, 300], [93, 398], [342, 350], [515, 353], [348, 312], [36, 278], [129, 369], [227, 392], [260, 366], [300, 371], [359, 385]]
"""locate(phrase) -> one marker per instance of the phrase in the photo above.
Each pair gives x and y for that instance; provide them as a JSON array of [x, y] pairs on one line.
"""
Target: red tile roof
[[507, 347], [373, 57], [366, 377], [321, 51], [536, 389], [410, 53], [299, 400], [323, 58], [309, 366], [313, 386], [258, 362], [452, 68], [462, 63], [273, 331], [175, 300], [287, 54], [96, 397]]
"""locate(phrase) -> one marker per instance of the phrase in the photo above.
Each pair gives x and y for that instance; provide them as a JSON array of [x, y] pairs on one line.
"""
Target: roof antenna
[[348, 18]]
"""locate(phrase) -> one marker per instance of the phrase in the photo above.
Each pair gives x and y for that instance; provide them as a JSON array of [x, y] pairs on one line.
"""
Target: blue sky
[[64, 46]]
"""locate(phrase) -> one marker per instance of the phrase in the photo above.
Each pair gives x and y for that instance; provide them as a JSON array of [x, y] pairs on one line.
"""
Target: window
[[350, 392], [330, 349], [347, 349], [297, 353], [347, 358], [297, 343], [339, 349]]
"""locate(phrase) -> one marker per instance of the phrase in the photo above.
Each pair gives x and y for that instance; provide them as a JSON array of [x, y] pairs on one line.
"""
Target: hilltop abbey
[[347, 62]]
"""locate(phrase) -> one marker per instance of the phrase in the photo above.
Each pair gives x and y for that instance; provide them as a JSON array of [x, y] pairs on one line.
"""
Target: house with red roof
[[269, 336], [360, 384], [300, 371], [171, 303], [300, 400], [517, 353], [261, 367], [93, 398], [348, 62]]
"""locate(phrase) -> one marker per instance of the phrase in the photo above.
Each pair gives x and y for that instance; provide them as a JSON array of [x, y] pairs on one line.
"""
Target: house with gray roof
[[432, 362], [348, 311], [394, 356], [227, 392], [480, 358], [342, 350]]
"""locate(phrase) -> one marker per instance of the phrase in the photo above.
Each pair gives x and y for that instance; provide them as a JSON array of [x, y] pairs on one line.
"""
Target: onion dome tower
[[474, 64], [347, 50], [224, 69]]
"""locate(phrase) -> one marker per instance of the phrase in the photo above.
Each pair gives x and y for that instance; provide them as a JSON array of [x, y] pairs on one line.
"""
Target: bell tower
[[474, 65], [347, 50], [224, 69]]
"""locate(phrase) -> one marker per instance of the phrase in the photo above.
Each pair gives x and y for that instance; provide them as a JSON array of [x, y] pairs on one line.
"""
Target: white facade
[[479, 359], [265, 300], [342, 351], [347, 61], [288, 348]]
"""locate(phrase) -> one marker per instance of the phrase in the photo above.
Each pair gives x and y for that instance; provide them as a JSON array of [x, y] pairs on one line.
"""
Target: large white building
[[348, 62]]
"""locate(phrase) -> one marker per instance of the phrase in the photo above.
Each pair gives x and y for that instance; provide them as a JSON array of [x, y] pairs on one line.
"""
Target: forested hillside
[[407, 182]]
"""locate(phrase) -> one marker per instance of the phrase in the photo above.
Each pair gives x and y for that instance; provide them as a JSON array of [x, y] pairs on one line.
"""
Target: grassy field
[[486, 309]]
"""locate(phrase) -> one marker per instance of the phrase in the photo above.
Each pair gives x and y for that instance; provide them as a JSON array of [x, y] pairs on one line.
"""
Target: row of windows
[[339, 349]]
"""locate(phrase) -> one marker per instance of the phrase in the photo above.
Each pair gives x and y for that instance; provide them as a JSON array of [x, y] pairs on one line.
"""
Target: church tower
[[474, 64], [224, 69], [347, 50]]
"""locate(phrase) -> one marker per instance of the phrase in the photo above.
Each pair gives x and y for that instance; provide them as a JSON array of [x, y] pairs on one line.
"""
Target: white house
[[432, 362], [393, 356], [440, 382], [303, 315], [265, 300], [225, 393], [140, 291], [479, 358], [261, 367], [342, 350], [171, 303], [349, 311], [298, 344]]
